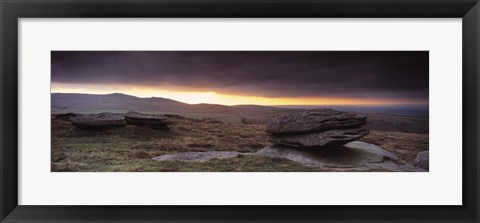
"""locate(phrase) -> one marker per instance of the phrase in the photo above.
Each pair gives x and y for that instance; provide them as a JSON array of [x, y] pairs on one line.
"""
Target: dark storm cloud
[[264, 73]]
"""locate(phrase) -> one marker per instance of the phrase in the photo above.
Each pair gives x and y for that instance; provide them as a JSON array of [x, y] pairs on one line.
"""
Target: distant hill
[[86, 103], [89, 102]]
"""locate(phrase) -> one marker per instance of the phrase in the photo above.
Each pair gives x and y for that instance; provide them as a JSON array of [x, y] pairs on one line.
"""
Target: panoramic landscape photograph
[[239, 111]]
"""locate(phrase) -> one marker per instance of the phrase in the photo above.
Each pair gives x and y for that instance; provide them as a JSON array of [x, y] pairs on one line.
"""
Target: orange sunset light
[[196, 97]]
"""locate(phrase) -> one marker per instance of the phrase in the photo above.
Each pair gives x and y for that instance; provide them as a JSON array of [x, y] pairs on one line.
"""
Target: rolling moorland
[[200, 127]]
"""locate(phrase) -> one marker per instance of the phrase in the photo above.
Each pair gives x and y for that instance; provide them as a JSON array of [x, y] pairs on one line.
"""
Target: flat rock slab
[[153, 121], [315, 120], [198, 156], [353, 156], [334, 137], [98, 121]]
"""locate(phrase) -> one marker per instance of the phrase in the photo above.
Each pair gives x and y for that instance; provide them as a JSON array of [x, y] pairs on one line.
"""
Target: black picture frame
[[12, 10]]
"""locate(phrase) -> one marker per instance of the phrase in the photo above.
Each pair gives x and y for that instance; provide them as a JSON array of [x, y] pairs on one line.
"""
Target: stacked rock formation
[[317, 128], [152, 121]]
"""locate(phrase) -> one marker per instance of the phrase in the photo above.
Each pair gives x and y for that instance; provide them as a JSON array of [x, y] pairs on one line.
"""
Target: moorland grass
[[131, 148]]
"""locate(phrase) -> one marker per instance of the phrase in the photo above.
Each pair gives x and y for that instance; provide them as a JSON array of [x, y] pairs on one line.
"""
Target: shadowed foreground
[[131, 148]]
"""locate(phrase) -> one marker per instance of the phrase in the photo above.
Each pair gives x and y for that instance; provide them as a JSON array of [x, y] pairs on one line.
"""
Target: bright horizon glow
[[210, 97]]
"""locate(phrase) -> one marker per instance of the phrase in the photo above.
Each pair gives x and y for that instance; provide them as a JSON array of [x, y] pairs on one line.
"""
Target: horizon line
[[283, 105]]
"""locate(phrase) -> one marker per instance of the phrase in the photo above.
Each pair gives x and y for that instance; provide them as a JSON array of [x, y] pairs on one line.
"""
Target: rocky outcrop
[[110, 120], [332, 135], [98, 121], [315, 120], [317, 128], [315, 139], [353, 156], [152, 121], [422, 160], [198, 156]]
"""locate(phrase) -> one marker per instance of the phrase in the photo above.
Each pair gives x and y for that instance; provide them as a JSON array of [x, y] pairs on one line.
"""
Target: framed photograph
[[227, 111]]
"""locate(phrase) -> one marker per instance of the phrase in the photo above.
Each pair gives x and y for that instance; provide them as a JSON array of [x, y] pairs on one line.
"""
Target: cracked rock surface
[[198, 156], [98, 121], [317, 128], [153, 121], [353, 156]]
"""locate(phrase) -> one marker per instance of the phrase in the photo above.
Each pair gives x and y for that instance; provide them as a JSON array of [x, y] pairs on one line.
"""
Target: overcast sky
[[395, 75]]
